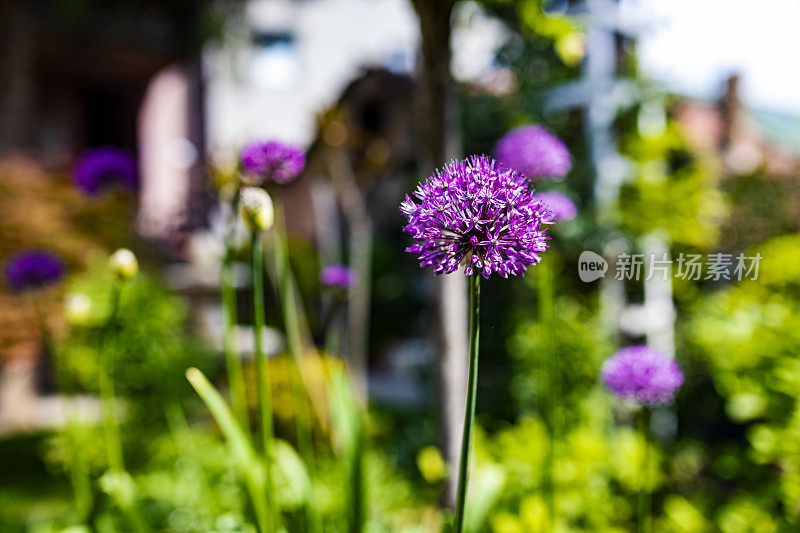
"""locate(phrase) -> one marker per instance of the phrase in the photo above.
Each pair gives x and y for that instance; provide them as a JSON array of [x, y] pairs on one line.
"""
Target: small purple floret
[[33, 270], [100, 168], [479, 214], [643, 374], [272, 160], [337, 276], [535, 152], [559, 204]]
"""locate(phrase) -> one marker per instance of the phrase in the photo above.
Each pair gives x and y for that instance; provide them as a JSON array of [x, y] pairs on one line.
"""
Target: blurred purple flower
[[643, 374], [559, 204], [477, 213], [272, 160], [99, 168], [337, 276], [32, 270], [535, 152]]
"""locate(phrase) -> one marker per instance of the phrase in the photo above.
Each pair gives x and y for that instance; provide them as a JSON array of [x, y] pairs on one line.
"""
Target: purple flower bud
[[643, 374], [272, 160], [535, 152], [100, 168], [337, 276], [32, 270], [478, 214]]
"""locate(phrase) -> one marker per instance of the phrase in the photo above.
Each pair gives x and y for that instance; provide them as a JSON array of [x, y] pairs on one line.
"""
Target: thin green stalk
[[348, 428], [645, 502], [290, 309], [288, 298], [78, 470], [472, 393], [262, 365], [241, 448], [232, 359], [548, 372], [105, 383], [116, 461], [357, 502]]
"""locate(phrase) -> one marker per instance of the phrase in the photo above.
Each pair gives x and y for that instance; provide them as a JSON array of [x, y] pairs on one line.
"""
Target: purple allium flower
[[272, 160], [643, 374], [562, 207], [100, 168], [535, 152], [32, 270], [477, 213], [337, 276]]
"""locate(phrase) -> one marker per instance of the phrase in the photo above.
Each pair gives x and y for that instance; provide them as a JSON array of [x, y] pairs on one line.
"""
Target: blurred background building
[[182, 85]]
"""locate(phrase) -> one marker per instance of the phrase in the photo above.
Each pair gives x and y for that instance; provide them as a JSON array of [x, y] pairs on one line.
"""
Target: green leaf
[[348, 436], [251, 467], [484, 491], [345, 414], [290, 477]]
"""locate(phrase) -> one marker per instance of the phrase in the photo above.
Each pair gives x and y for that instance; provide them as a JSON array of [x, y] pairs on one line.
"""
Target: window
[[275, 62]]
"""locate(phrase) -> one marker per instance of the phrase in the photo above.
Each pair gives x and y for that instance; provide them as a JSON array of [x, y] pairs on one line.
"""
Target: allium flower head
[[559, 204], [535, 152], [337, 276], [477, 213], [643, 374], [100, 168], [272, 160], [32, 270]]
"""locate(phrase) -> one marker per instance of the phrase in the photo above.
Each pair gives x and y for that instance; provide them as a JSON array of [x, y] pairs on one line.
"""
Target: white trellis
[[601, 93]]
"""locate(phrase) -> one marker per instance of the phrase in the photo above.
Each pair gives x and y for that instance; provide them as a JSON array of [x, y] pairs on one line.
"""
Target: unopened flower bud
[[255, 209], [77, 308], [124, 264]]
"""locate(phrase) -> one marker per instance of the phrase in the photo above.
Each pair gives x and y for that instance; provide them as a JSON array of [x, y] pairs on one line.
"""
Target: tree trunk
[[437, 123]]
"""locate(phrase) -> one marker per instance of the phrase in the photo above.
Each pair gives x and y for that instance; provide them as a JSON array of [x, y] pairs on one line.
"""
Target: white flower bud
[[255, 209], [77, 308], [124, 264]]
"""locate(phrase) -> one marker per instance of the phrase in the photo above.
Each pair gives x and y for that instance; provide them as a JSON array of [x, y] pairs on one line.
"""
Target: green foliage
[[673, 190], [250, 467], [753, 197], [581, 345], [565, 31], [598, 472], [147, 350], [748, 335]]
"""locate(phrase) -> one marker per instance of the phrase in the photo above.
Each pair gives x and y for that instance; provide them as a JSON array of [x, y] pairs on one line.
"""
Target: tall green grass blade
[[251, 467], [348, 433], [291, 480], [485, 488]]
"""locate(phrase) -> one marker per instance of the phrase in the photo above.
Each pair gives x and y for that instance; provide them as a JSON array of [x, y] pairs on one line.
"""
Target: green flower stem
[[262, 365], [548, 371], [291, 319], [78, 470], [232, 358], [288, 298], [645, 502], [116, 461], [357, 499], [472, 392], [105, 383]]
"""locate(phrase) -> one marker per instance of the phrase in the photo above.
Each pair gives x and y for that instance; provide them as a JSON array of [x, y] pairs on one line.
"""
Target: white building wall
[[276, 92]]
